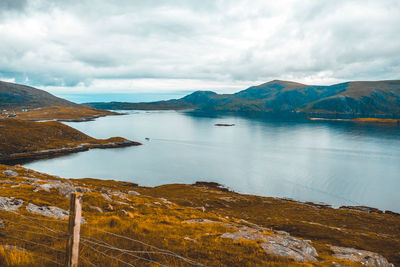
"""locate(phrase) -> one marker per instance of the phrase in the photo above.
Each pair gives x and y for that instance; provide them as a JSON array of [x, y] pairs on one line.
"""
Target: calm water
[[333, 162]]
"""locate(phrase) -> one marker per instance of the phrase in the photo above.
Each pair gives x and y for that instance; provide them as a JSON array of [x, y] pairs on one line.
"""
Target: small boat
[[148, 139]]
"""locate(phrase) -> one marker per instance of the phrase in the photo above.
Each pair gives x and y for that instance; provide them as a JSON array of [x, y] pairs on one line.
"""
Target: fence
[[77, 246]]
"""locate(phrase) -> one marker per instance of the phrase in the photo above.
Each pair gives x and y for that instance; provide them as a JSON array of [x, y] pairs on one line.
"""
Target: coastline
[[42, 154], [194, 219]]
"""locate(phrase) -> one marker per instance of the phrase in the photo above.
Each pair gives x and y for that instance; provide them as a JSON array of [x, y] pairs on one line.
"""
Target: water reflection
[[339, 163]]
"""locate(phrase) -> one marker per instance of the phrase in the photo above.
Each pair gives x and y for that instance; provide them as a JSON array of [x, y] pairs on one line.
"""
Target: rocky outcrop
[[50, 211], [10, 173], [133, 193], [282, 245], [289, 247], [361, 256], [10, 204], [362, 209], [64, 189]]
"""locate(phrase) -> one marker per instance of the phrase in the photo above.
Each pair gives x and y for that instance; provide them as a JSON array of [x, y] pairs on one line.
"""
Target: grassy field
[[77, 113], [177, 225], [19, 137]]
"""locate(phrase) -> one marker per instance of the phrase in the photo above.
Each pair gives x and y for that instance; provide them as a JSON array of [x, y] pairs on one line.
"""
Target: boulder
[[289, 247], [10, 204], [10, 173], [48, 211], [278, 245], [133, 193], [96, 209], [364, 257], [64, 189]]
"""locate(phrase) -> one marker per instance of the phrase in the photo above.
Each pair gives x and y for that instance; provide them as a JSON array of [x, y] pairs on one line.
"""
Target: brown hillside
[[22, 136]]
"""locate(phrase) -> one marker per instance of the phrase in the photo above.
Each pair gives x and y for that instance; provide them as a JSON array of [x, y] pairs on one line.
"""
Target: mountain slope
[[353, 98], [13, 96]]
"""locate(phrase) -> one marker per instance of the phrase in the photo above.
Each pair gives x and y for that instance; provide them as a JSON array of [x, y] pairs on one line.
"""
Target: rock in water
[[10, 204], [364, 257]]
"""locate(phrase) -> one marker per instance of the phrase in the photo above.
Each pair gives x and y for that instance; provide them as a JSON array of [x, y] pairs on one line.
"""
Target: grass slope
[[22, 136], [17, 96], [159, 217]]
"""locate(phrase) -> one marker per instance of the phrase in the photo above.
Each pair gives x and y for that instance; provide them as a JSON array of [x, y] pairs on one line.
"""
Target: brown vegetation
[[78, 113], [24, 139], [187, 220]]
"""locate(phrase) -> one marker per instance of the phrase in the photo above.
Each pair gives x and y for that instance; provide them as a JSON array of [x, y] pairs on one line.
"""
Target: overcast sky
[[156, 46]]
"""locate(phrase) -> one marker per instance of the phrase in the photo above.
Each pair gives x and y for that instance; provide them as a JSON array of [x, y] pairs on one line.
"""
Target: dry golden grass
[[158, 217], [60, 113], [22, 136]]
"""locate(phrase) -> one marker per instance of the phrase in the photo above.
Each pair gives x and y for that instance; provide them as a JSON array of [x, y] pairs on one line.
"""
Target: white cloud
[[187, 45]]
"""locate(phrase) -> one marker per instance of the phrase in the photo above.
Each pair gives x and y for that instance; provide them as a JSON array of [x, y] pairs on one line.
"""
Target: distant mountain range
[[354, 99], [16, 96]]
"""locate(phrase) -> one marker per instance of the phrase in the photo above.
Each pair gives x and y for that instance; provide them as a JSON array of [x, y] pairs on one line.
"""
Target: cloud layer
[[152, 45]]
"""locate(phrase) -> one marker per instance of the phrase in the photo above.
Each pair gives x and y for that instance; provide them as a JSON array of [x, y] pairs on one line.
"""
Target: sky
[[129, 46]]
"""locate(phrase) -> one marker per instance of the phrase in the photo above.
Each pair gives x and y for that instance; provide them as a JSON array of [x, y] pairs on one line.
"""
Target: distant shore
[[365, 120]]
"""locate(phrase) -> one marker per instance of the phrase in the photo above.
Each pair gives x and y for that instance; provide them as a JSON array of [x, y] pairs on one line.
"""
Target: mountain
[[16, 96], [372, 98]]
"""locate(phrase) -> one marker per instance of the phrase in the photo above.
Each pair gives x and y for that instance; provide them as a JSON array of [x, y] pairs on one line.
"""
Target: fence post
[[74, 227]]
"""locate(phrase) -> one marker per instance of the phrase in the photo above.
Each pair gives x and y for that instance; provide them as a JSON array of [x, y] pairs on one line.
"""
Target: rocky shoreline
[[193, 220], [41, 154]]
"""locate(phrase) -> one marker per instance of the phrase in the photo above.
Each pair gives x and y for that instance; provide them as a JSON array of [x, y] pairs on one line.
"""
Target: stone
[[106, 197], [119, 194], [166, 201], [48, 211], [64, 189], [96, 209], [190, 239], [361, 256], [133, 193], [289, 247], [278, 245], [10, 204], [10, 173]]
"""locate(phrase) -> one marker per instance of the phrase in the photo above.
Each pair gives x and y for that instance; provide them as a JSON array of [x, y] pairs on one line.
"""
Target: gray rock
[[133, 193], [289, 247], [64, 189], [50, 211], [362, 256], [118, 194], [10, 204], [244, 234], [106, 197], [96, 209], [279, 245], [10, 173]]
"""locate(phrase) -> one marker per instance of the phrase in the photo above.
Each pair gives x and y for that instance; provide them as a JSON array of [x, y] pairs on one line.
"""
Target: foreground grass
[[135, 229]]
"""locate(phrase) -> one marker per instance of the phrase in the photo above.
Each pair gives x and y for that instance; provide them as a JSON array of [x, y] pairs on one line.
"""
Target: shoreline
[[43, 154], [195, 219]]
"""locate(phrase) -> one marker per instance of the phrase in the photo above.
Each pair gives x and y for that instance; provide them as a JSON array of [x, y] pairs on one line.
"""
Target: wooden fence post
[[74, 227]]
